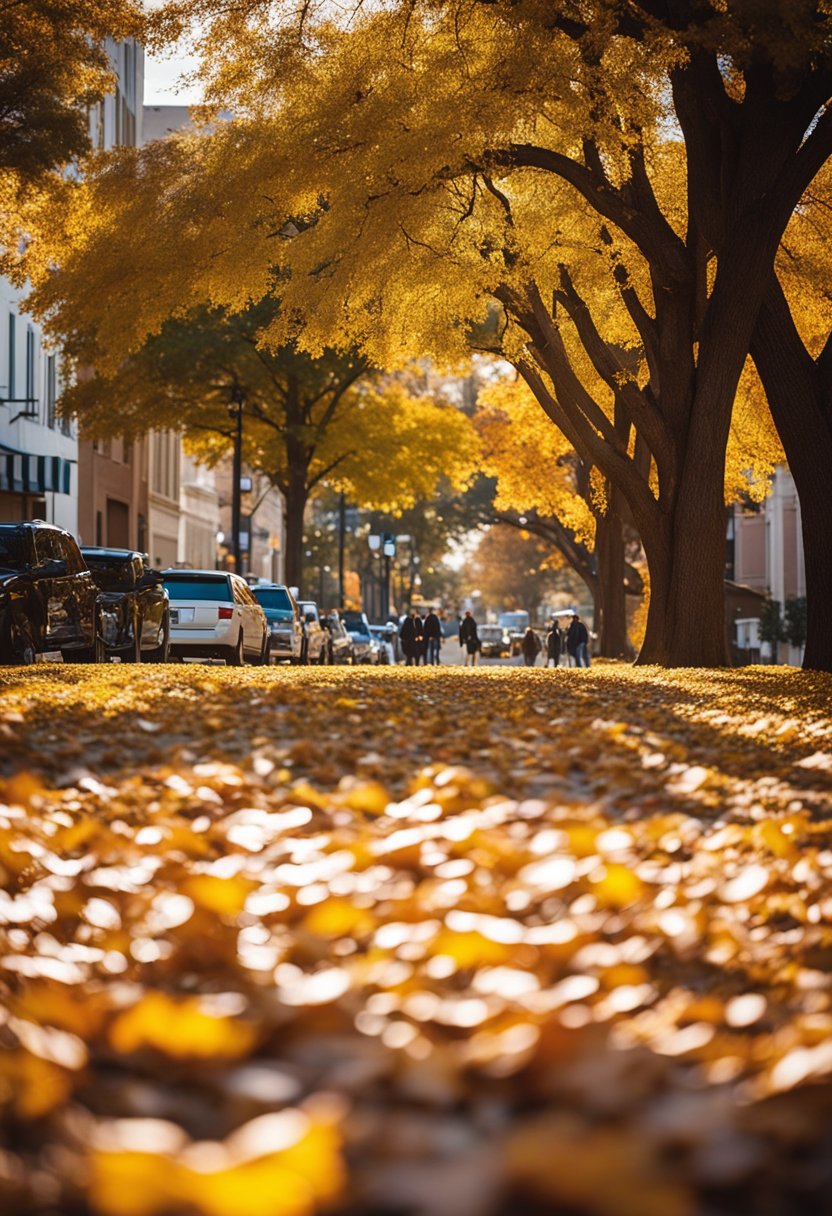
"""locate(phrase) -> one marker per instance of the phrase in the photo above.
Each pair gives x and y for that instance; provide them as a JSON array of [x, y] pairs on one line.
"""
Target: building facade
[[113, 506], [262, 524], [38, 451], [199, 519], [765, 545], [95, 490]]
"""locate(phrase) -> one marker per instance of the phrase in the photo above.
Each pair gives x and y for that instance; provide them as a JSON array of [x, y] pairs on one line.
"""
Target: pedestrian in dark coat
[[577, 642], [531, 647], [553, 645], [411, 638], [469, 639], [433, 637]]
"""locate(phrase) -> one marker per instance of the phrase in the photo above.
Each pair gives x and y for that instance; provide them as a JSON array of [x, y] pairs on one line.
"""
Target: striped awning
[[28, 473]]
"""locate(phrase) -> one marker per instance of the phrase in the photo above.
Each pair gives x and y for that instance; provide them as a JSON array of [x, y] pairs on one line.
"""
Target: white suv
[[213, 615]]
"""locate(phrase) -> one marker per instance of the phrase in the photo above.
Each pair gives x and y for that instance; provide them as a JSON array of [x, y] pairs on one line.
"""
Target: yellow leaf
[[30, 1085], [618, 887], [220, 1179], [224, 896], [471, 949], [338, 918], [368, 797], [183, 1029]]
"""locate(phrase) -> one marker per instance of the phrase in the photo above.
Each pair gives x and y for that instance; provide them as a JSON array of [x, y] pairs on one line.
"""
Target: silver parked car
[[365, 648], [385, 636], [339, 648], [315, 649], [213, 615], [284, 618]]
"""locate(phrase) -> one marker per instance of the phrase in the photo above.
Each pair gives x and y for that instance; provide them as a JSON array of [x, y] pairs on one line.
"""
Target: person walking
[[411, 639], [531, 647], [433, 638], [469, 639], [577, 642], [553, 645]]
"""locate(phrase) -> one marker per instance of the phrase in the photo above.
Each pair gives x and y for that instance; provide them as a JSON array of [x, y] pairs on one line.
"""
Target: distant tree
[[309, 422], [518, 570], [795, 620], [772, 629]]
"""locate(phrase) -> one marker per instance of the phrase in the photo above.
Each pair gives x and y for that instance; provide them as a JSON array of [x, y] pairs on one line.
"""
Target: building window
[[31, 401], [51, 390], [12, 351]]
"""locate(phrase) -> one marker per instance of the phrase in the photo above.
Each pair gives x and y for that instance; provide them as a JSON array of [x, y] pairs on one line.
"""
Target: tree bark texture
[[295, 498], [799, 391], [611, 606]]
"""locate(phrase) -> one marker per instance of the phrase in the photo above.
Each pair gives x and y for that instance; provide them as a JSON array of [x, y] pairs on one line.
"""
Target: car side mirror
[[151, 578], [55, 567]]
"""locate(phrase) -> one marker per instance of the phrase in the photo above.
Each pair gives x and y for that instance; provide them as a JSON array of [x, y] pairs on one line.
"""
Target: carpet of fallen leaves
[[415, 942]]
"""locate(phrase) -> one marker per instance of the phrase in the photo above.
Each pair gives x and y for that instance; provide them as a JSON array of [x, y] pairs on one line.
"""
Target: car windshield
[[355, 623], [12, 549], [205, 588], [275, 601], [514, 620], [111, 572], [490, 631]]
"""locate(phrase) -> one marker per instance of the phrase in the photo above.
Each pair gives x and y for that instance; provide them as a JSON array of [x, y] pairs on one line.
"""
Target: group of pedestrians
[[572, 642], [421, 641]]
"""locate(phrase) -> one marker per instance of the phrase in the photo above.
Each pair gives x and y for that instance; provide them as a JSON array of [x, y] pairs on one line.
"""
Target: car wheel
[[21, 644], [304, 653], [235, 656], [134, 655], [266, 653]]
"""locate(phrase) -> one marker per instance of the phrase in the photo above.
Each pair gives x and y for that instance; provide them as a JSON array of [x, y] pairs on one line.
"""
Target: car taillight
[[225, 614]]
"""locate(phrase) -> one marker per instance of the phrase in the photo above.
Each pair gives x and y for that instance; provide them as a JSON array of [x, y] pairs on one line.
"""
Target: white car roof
[[188, 573]]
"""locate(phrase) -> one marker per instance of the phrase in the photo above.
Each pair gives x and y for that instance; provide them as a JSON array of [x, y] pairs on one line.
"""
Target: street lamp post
[[375, 541], [384, 544], [342, 532], [235, 409], [389, 551]]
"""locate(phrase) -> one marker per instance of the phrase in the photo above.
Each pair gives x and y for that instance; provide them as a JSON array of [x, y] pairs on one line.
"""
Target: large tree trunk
[[611, 603], [798, 391], [696, 601], [812, 478], [686, 559], [296, 496], [686, 617]]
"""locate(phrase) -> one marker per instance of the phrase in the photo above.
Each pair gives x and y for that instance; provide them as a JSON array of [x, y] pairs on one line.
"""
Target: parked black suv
[[48, 599], [134, 610]]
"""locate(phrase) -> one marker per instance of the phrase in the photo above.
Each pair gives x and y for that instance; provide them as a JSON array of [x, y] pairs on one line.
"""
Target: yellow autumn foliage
[[182, 1029], [217, 1180]]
